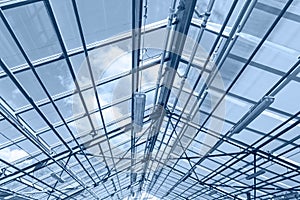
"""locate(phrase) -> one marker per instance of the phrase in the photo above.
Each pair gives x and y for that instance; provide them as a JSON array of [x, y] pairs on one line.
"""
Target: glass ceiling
[[221, 118]]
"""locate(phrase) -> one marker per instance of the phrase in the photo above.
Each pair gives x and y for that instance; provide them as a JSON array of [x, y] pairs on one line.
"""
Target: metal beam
[[201, 73], [41, 83], [76, 51], [137, 10], [184, 15], [237, 77], [93, 85]]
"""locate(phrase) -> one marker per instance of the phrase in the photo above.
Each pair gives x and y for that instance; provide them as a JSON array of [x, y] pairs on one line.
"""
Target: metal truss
[[172, 167]]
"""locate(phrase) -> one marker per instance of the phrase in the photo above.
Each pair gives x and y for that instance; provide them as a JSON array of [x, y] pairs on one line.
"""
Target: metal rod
[[184, 15], [167, 41], [40, 82], [94, 85], [137, 6], [194, 50], [248, 61], [205, 65]]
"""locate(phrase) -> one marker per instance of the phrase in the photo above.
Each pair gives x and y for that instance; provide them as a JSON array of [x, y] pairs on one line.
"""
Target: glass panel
[[11, 94], [34, 30], [254, 83], [34, 120], [288, 92], [56, 77], [9, 51], [8, 131], [102, 19], [31, 85], [66, 20], [12, 153]]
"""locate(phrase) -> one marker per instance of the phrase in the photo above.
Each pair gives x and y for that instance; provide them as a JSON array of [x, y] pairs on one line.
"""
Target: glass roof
[[149, 99]]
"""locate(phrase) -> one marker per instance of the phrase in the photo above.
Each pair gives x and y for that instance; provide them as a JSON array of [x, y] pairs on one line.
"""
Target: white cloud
[[12, 155], [68, 101], [66, 82], [15, 93]]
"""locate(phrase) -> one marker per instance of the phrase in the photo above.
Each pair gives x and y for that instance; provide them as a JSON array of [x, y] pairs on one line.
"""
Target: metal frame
[[174, 180]]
